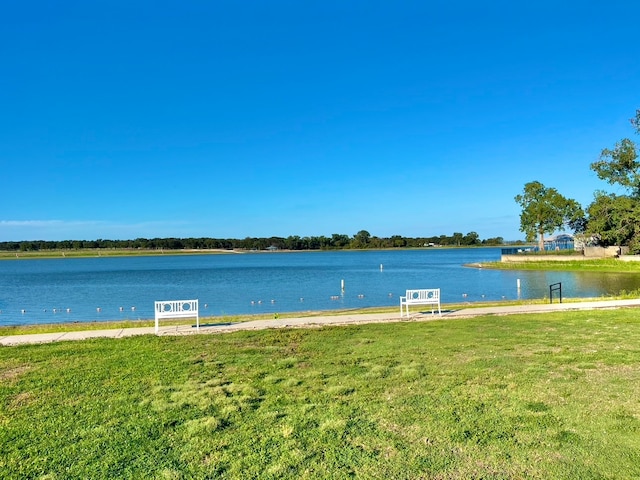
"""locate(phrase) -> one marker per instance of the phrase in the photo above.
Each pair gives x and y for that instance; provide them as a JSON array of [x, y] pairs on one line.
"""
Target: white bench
[[177, 309], [426, 296]]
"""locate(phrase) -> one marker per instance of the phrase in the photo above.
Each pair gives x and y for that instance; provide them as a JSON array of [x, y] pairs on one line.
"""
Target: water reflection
[[535, 284]]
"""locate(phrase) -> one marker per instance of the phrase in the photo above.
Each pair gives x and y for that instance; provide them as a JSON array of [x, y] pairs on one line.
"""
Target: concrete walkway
[[319, 321]]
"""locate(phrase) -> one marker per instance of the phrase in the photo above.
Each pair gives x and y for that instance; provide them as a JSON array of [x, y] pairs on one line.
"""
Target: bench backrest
[[424, 295], [176, 308]]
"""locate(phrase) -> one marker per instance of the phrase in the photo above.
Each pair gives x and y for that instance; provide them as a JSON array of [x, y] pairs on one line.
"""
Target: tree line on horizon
[[361, 240], [610, 220]]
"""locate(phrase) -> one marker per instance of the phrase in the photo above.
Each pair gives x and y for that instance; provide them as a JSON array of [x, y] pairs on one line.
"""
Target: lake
[[114, 288]]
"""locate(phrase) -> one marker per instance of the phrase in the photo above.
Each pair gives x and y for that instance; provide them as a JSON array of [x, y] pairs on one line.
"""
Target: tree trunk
[[541, 242]]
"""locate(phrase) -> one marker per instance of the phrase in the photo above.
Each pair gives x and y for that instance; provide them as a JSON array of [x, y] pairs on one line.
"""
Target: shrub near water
[[535, 396]]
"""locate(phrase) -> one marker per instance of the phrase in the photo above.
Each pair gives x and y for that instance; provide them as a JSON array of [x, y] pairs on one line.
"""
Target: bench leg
[[402, 307]]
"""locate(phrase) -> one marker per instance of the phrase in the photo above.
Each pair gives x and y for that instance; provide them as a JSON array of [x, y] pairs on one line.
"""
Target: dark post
[[555, 287]]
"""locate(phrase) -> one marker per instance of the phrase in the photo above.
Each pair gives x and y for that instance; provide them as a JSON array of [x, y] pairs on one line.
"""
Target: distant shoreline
[[90, 253], [119, 252]]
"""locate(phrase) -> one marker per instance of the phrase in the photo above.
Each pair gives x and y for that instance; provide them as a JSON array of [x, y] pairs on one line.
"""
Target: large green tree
[[545, 210], [471, 238], [615, 219], [361, 239], [620, 166]]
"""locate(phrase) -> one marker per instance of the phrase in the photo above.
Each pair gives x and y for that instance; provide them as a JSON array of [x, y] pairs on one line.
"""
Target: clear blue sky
[[226, 119]]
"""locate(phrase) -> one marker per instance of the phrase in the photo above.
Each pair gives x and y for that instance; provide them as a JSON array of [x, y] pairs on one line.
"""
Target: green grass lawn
[[605, 265], [553, 396]]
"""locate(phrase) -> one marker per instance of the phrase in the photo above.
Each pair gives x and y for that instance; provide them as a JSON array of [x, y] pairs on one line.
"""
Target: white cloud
[[27, 223]]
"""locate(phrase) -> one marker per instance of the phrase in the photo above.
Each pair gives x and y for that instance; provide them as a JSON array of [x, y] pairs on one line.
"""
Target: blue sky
[[232, 119]]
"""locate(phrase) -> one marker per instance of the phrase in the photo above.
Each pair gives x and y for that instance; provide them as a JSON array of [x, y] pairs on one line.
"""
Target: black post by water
[[555, 287]]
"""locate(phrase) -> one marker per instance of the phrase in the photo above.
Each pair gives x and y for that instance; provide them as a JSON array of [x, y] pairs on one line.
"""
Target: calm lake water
[[73, 289]]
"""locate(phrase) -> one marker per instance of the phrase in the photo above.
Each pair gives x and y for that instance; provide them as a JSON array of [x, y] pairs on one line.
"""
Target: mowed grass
[[524, 396], [601, 265]]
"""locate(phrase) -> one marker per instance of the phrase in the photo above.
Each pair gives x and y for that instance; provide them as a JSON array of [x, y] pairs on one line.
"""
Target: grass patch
[[524, 396], [604, 265]]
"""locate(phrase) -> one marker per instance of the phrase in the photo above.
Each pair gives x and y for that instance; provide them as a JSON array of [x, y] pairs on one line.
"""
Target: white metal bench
[[177, 309], [428, 296]]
